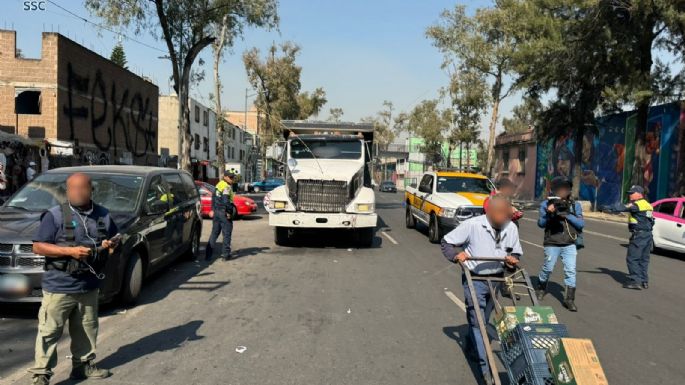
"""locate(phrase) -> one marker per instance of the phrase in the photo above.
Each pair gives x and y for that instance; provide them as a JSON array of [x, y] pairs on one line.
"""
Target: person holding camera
[[562, 219], [76, 239]]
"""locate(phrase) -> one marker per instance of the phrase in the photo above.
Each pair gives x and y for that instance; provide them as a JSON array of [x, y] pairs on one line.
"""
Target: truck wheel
[[434, 230], [281, 236], [410, 221], [133, 279], [365, 236], [193, 250]]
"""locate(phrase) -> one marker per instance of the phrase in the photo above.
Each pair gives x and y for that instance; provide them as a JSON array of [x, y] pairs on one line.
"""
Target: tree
[[524, 116], [335, 114], [429, 123], [118, 56], [224, 39], [277, 81], [187, 27], [478, 44]]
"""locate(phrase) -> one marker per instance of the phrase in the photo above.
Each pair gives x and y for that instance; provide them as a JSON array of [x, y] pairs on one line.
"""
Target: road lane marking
[[390, 238], [456, 300], [590, 232], [531, 243]]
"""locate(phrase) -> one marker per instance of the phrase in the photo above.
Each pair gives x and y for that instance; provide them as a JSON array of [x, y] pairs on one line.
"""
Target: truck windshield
[[463, 184], [325, 149]]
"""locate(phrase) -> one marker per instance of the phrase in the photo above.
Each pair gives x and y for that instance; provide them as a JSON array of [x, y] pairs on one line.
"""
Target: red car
[[244, 205]]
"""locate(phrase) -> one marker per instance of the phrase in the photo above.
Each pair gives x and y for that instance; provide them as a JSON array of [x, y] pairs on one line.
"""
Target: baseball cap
[[559, 182], [636, 189], [229, 173]]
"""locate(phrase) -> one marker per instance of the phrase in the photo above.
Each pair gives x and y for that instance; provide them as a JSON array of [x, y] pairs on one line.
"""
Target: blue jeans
[[638, 256], [220, 224], [485, 306], [568, 258]]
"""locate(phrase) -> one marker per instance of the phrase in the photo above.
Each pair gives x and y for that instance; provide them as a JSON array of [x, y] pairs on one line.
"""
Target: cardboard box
[[514, 315], [574, 361]]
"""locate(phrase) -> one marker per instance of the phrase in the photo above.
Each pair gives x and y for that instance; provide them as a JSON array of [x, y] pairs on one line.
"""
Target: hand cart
[[517, 277]]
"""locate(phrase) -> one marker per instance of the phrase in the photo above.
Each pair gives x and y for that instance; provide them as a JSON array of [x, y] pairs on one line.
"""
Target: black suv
[[156, 209]]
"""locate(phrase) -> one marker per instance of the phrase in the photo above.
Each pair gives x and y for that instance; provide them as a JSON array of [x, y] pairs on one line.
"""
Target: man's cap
[[560, 182], [229, 173], [636, 189], [504, 182]]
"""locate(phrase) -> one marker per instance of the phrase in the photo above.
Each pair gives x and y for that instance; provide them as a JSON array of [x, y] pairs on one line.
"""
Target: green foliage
[[430, 123], [335, 114], [383, 124], [118, 56], [311, 105], [524, 117]]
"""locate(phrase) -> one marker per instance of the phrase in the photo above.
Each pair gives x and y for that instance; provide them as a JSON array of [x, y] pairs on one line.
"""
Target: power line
[[105, 27]]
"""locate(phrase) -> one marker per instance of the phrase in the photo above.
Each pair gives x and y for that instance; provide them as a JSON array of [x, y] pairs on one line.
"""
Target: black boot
[[541, 290], [570, 298]]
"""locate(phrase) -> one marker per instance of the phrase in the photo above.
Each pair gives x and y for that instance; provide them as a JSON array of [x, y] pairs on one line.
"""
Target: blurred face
[[562, 192], [499, 213], [635, 196], [507, 190], [228, 179], [79, 189]]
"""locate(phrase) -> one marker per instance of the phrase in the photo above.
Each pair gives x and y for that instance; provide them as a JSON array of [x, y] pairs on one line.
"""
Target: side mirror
[[157, 207], [425, 189]]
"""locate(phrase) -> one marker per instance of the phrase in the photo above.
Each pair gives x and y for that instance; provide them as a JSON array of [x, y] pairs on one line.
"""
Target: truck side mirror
[[425, 189], [413, 185]]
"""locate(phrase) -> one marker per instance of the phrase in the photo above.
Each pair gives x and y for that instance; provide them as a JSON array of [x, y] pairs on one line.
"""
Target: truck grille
[[30, 262], [5, 261], [6, 247], [27, 249], [322, 196]]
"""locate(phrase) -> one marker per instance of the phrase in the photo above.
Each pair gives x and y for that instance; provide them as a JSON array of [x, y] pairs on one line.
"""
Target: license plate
[[14, 286]]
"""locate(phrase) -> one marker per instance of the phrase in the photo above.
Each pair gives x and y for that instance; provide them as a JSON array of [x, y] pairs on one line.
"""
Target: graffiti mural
[[607, 161], [113, 118]]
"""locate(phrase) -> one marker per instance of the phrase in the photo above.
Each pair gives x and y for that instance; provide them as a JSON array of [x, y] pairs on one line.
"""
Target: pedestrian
[[76, 238], [507, 188], [31, 171], [562, 219], [640, 224], [222, 215], [489, 235]]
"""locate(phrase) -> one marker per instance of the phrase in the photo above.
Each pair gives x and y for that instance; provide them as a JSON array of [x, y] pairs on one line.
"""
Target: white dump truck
[[328, 181]]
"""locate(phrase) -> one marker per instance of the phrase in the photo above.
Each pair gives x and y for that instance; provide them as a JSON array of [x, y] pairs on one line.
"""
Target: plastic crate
[[523, 352]]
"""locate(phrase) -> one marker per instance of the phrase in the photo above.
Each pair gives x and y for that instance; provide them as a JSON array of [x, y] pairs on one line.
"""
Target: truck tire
[[409, 221], [133, 279], [193, 251], [281, 236], [365, 236], [434, 229]]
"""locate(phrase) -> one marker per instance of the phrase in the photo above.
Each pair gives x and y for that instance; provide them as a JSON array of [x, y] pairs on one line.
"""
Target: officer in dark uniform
[[640, 224], [76, 239], [222, 216]]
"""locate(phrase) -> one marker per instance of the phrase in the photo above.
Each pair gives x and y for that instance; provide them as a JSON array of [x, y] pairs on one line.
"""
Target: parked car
[[669, 224], [244, 205], [156, 209], [267, 184], [388, 186]]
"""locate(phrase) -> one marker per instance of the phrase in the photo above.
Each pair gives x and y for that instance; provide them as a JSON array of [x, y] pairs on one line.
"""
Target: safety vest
[[223, 196], [642, 220]]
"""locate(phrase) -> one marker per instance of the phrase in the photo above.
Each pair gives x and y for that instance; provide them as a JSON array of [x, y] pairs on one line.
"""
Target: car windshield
[[388, 184], [325, 149], [463, 184], [116, 192]]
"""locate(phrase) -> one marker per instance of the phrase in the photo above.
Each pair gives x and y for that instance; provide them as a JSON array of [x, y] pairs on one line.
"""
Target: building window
[[232, 152], [505, 161], [242, 155], [228, 152], [522, 159], [205, 118], [27, 102], [197, 114], [205, 143], [216, 148], [197, 141]]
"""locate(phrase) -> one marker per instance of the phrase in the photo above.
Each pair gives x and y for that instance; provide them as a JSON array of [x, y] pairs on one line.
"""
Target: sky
[[361, 52]]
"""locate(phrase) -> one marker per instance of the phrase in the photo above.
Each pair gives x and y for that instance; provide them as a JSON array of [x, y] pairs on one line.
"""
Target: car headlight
[[278, 204], [365, 207], [449, 213]]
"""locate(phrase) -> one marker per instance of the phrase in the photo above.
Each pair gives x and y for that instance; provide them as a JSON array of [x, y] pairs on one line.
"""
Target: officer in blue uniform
[[222, 217], [640, 224], [76, 239]]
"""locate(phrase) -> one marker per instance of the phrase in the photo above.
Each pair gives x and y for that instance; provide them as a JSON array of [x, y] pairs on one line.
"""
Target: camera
[[561, 205]]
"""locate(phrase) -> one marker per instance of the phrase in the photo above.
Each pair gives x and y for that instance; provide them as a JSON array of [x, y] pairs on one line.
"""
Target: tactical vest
[[642, 220]]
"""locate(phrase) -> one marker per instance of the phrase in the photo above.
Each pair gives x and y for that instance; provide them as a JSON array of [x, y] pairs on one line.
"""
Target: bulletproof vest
[[642, 220]]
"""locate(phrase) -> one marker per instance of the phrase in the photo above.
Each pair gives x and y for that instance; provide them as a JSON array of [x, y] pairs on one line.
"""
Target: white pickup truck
[[445, 198]]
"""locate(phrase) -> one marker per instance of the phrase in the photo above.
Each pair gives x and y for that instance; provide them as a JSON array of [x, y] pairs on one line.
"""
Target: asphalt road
[[328, 313]]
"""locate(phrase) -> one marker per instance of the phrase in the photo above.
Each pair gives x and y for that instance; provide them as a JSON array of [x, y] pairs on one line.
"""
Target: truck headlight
[[279, 204], [449, 213], [365, 207]]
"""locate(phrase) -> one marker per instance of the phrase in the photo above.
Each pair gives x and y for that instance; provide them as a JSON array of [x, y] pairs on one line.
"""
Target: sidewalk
[[587, 213]]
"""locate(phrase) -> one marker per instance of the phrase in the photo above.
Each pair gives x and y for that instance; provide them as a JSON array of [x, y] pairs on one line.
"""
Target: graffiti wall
[[607, 162], [110, 112]]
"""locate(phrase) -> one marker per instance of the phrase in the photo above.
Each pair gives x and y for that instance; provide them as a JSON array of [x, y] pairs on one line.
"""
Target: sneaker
[[632, 285], [40, 379], [88, 370]]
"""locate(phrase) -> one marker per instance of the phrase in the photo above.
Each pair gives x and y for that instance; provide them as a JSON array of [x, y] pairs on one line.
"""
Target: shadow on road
[[250, 251], [617, 276], [460, 334], [163, 340], [331, 238]]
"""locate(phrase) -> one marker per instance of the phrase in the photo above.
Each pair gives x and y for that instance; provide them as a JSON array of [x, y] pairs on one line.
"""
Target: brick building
[[253, 118], [515, 158], [87, 109]]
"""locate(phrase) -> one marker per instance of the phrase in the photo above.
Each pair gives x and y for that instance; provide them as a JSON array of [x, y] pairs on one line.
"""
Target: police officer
[[562, 220], [222, 215], [76, 239], [489, 235], [640, 224]]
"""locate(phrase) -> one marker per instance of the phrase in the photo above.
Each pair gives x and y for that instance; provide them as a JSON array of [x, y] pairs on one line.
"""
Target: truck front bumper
[[321, 220], [447, 224]]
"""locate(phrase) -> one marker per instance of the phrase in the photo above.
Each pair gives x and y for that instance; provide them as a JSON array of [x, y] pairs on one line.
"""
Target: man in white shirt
[[31, 171]]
